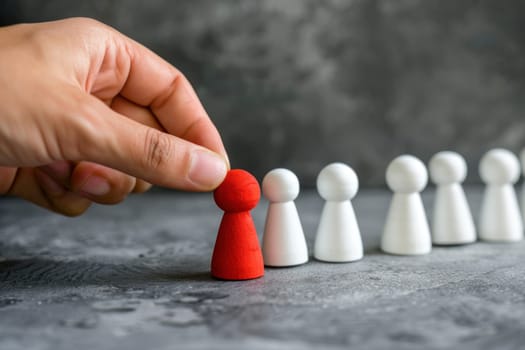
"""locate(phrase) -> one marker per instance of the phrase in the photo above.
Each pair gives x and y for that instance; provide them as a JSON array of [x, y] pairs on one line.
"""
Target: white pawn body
[[338, 236], [500, 218], [283, 240], [452, 222], [406, 230]]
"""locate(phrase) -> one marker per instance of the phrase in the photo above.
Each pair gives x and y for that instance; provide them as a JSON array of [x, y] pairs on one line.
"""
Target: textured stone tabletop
[[136, 276]]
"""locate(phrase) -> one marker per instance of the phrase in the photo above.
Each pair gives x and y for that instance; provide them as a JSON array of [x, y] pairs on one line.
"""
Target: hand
[[87, 114]]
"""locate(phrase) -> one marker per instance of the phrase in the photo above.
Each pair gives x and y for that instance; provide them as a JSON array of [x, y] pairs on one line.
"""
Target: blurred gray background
[[299, 84]]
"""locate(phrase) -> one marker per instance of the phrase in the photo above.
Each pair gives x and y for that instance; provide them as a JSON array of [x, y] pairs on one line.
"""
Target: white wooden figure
[[338, 236], [500, 217], [406, 231], [452, 221], [283, 239]]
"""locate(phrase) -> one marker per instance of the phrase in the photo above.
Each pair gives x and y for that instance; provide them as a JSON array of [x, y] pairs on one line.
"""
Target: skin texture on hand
[[89, 115]]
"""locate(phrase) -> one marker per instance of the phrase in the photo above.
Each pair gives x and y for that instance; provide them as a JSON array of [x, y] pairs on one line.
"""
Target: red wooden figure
[[237, 254]]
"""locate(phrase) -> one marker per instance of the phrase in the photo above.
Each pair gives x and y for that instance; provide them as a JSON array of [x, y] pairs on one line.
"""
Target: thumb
[[116, 141]]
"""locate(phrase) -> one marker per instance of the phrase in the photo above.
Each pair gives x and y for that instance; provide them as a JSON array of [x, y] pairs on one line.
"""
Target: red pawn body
[[237, 253]]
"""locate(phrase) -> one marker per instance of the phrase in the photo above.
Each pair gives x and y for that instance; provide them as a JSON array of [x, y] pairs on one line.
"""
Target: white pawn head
[[406, 174], [280, 185], [447, 167], [499, 166], [337, 182]]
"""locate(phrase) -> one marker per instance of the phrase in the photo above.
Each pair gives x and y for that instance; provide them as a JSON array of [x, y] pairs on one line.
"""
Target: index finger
[[155, 83]]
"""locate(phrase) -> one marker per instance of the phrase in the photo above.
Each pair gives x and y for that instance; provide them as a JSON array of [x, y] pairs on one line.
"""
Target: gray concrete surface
[[136, 276]]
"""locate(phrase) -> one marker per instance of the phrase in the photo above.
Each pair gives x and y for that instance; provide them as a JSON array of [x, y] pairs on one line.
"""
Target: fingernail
[[96, 186], [207, 169], [50, 186], [228, 164]]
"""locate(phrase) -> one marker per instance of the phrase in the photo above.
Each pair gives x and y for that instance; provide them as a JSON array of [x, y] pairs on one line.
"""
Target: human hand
[[87, 114]]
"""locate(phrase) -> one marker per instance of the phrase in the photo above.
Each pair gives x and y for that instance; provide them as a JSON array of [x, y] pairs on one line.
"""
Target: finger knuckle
[[158, 148], [85, 22], [88, 21]]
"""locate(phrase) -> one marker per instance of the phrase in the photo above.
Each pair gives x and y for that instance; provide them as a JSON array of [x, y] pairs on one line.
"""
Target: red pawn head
[[238, 192]]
